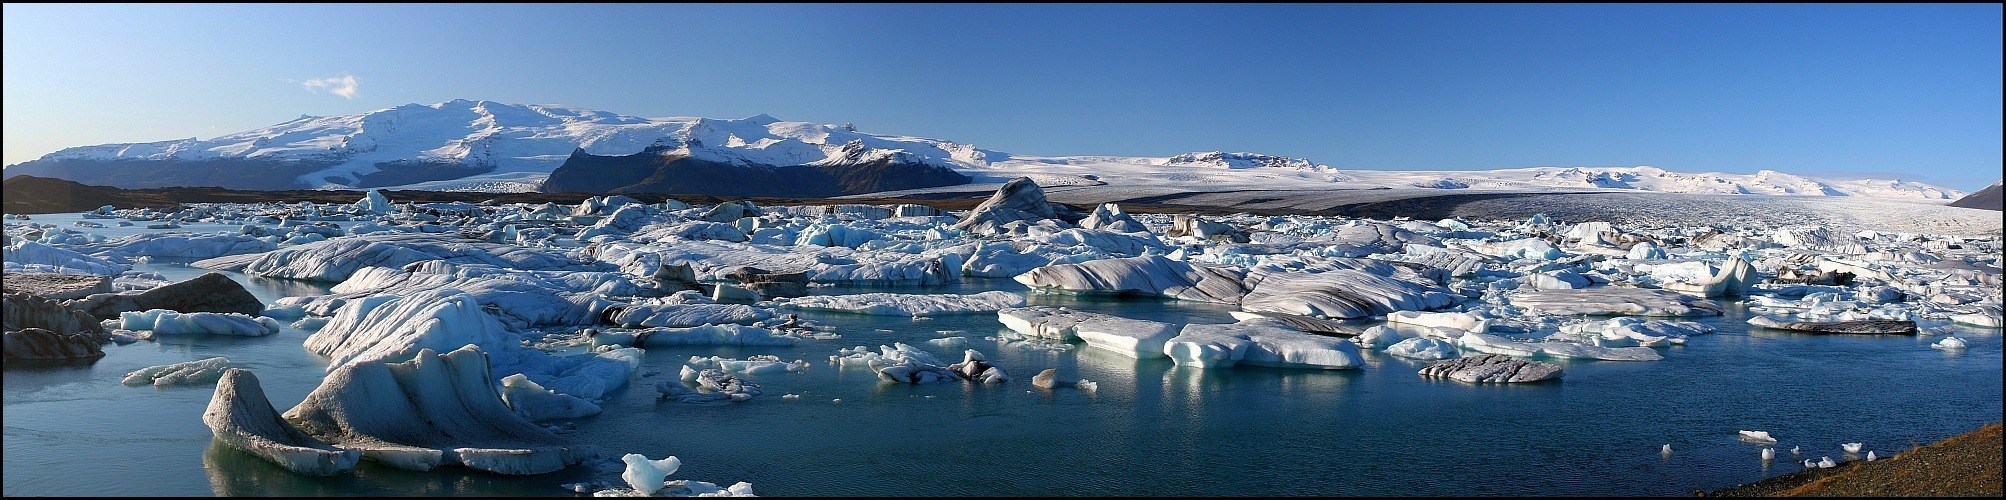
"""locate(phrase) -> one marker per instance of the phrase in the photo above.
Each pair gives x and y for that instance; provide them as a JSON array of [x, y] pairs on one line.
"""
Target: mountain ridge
[[490, 146]]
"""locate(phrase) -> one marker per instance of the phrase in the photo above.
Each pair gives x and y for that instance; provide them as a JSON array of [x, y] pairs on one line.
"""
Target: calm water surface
[[1152, 428]]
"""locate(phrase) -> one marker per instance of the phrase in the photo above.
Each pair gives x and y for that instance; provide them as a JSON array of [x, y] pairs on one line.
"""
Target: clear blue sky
[[1909, 90]]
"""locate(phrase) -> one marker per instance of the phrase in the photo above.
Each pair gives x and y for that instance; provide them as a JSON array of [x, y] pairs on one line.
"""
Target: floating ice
[[198, 372], [901, 304], [645, 475], [241, 417], [723, 335], [165, 322], [1423, 348], [1258, 342], [1129, 337], [685, 315], [1949, 343], [535, 403], [1343, 294], [1467, 322], [1055, 323], [1616, 301], [1148, 275], [1757, 436], [432, 410]]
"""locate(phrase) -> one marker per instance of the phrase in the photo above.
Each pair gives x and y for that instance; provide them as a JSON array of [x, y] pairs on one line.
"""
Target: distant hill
[[1987, 198]]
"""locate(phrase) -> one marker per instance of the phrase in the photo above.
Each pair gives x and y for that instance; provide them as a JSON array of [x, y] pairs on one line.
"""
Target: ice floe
[[905, 304]]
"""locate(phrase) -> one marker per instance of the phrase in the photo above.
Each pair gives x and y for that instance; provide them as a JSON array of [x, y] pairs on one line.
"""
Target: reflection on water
[[236, 473]]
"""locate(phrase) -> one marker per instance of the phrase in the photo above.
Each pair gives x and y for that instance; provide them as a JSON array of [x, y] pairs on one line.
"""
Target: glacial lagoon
[[1149, 428]]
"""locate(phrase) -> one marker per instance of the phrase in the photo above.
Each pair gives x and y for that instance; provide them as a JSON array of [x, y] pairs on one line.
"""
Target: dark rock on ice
[[1492, 368], [211, 292], [58, 286], [36, 344]]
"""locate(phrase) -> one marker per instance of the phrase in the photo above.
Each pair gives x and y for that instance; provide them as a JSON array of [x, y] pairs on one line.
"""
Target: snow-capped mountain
[[459, 139], [1217, 159], [489, 146]]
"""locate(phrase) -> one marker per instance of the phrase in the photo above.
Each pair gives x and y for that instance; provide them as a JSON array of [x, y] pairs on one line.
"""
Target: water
[[1152, 428]]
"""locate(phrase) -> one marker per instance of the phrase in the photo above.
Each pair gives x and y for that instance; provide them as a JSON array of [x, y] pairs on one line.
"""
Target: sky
[[1840, 90]]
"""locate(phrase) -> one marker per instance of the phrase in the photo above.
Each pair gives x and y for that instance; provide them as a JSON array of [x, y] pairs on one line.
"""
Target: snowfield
[[503, 147]]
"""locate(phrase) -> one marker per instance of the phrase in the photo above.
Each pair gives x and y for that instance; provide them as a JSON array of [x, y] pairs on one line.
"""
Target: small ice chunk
[[1423, 348], [646, 475], [1758, 436]]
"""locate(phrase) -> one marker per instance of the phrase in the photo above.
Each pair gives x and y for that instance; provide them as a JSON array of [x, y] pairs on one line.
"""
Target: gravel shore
[[1963, 465]]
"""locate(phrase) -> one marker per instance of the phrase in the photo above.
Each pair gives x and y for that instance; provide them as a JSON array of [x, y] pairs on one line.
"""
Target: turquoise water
[[1151, 429]]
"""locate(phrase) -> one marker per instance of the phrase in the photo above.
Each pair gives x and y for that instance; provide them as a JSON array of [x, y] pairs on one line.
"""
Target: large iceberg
[[1260, 342], [1343, 294], [1148, 275], [242, 418], [1018, 200], [394, 328], [165, 322], [684, 315], [429, 411]]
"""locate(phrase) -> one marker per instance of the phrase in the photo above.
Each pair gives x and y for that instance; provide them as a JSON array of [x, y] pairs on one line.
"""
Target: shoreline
[[1967, 464]]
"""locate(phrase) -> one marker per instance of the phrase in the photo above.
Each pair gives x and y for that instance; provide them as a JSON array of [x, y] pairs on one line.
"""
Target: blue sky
[[1836, 90]]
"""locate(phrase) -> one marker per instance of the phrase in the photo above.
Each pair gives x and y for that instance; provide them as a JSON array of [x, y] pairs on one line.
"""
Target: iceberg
[[241, 417], [1056, 323], [1468, 322], [901, 304], [684, 315], [198, 372], [432, 410], [718, 335], [1134, 338], [1342, 294], [165, 322], [1423, 348], [1148, 275], [535, 403], [1616, 301], [1260, 342]]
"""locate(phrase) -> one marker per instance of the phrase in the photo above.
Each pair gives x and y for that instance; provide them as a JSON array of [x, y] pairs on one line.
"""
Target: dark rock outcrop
[[770, 284], [1988, 198], [212, 292], [36, 344], [57, 286], [24, 310], [661, 170], [1865, 327], [1191, 225], [1493, 368]]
